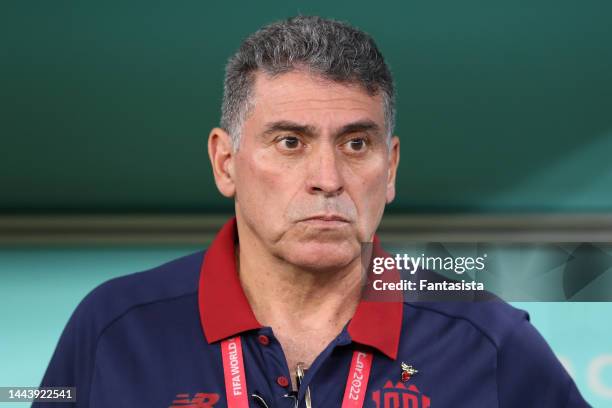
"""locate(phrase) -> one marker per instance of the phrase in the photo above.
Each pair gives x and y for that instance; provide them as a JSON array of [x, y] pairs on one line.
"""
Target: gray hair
[[332, 49]]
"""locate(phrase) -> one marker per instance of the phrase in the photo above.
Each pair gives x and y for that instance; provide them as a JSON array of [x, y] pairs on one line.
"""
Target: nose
[[324, 176]]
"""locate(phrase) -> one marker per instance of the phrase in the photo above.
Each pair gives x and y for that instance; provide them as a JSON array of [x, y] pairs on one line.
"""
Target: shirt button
[[282, 381], [263, 339]]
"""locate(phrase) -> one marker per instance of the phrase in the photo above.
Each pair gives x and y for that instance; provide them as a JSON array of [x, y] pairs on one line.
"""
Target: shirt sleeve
[[72, 362], [530, 375]]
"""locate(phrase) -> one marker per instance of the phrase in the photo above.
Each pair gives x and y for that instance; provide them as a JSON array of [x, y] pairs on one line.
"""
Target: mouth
[[326, 220]]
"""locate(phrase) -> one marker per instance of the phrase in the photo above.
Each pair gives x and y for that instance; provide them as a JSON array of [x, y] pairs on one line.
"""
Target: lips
[[327, 217]]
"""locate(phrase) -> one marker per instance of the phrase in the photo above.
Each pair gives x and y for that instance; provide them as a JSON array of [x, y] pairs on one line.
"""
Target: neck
[[305, 308], [282, 294]]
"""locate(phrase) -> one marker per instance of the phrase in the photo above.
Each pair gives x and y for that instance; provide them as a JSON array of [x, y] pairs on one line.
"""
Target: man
[[273, 314]]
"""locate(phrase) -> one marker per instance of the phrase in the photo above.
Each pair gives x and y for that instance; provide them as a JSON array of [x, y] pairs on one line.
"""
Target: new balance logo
[[199, 400]]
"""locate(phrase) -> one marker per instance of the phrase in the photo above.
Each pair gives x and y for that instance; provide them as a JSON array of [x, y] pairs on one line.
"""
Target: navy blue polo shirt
[[152, 339]]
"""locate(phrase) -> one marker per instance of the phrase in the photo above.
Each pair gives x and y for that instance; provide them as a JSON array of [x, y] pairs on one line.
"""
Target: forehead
[[306, 97]]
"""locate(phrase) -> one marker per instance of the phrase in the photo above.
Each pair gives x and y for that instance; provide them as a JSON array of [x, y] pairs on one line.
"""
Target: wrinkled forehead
[[310, 99]]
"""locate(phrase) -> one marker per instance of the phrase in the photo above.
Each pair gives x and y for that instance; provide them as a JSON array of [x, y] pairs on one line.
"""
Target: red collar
[[225, 310]]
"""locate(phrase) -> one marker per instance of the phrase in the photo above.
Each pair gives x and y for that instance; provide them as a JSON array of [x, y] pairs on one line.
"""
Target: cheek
[[262, 183], [377, 195], [368, 192], [269, 172], [370, 183]]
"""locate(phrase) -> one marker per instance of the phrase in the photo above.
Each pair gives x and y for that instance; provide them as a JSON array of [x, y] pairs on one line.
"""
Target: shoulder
[[74, 358], [470, 309], [492, 318], [116, 297], [527, 372]]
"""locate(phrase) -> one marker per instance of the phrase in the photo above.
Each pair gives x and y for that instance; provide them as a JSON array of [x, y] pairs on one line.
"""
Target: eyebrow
[[360, 126], [289, 126]]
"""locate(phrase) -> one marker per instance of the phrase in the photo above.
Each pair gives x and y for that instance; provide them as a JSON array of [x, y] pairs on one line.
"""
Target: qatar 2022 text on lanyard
[[235, 379]]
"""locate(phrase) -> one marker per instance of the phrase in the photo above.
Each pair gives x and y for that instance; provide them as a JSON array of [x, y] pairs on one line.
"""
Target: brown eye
[[357, 144], [290, 142]]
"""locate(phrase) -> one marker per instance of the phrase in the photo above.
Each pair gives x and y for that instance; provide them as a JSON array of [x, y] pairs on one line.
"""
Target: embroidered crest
[[407, 372]]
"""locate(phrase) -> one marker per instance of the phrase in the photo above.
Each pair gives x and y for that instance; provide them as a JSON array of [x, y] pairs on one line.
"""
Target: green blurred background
[[503, 106], [504, 109]]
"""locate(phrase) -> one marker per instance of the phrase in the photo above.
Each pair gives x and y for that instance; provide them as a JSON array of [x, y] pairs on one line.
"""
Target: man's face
[[313, 171]]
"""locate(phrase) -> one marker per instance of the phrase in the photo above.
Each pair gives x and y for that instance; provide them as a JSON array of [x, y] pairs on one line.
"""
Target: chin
[[323, 256]]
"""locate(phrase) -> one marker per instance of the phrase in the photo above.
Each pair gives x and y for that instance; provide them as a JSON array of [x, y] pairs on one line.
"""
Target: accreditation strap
[[235, 378], [233, 371], [357, 381]]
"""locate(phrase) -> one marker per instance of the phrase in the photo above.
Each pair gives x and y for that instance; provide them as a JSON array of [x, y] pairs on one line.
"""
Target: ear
[[221, 154], [394, 156]]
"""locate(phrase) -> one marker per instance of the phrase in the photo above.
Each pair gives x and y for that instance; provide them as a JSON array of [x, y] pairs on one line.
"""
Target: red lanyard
[[233, 371], [235, 379], [357, 381]]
